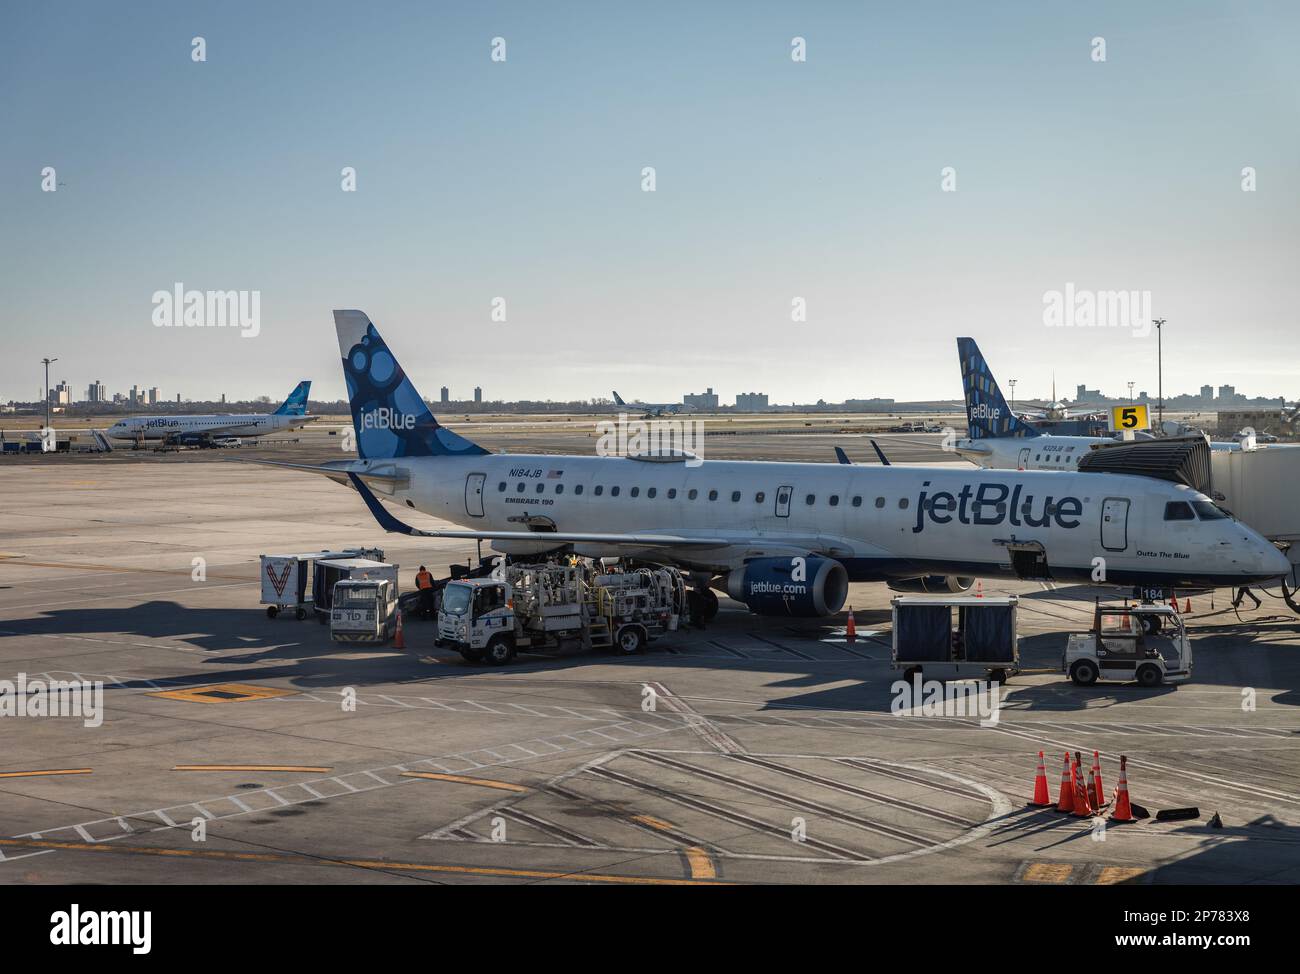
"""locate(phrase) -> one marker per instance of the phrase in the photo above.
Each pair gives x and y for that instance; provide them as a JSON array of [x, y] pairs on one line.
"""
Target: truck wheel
[[472, 655], [500, 650], [998, 676], [631, 640], [1084, 673], [1148, 676], [911, 673], [300, 614], [272, 611]]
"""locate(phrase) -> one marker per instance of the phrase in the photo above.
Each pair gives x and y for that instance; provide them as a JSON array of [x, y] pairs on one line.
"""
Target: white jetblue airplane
[[783, 538], [653, 408], [201, 430], [998, 439]]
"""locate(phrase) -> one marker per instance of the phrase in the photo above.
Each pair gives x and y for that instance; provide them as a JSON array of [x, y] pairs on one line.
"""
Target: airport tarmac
[[770, 755]]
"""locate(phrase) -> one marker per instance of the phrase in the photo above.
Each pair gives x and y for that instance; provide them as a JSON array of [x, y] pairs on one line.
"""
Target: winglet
[[842, 456], [880, 453]]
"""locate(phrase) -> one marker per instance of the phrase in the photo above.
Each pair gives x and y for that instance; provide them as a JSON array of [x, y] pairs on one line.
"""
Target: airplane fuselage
[[881, 523], [243, 425]]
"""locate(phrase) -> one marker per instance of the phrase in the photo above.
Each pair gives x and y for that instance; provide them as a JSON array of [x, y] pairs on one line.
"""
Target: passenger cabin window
[[577, 488], [559, 488], [758, 498], [613, 492], [810, 499], [540, 487], [902, 503], [857, 501], [672, 492], [520, 489], [713, 495], [735, 496], [1179, 511], [880, 502], [636, 491], [651, 492], [835, 500], [501, 486], [693, 494], [600, 489]]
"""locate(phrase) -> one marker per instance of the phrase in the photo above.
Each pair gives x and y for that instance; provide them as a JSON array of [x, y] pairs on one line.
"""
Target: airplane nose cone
[[1275, 562]]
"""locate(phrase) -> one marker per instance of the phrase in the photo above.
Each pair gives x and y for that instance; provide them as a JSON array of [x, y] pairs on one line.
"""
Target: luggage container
[[286, 577], [957, 637]]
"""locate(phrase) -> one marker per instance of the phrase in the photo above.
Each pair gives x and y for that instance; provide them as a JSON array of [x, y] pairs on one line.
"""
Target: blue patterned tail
[[987, 413], [390, 418], [296, 404]]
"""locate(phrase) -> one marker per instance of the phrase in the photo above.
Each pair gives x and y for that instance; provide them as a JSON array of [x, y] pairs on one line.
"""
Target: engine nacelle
[[803, 585], [934, 584]]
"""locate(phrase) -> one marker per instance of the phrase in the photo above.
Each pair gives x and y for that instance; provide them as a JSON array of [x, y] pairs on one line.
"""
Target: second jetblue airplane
[[202, 430], [784, 538]]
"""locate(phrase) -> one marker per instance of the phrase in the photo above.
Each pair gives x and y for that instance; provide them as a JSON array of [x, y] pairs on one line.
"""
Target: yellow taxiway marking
[[249, 767], [700, 863], [461, 779], [38, 774], [1110, 875], [223, 693], [1047, 872], [654, 823], [356, 863]]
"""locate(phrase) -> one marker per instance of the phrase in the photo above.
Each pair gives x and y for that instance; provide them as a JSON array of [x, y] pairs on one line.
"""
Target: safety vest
[[423, 580]]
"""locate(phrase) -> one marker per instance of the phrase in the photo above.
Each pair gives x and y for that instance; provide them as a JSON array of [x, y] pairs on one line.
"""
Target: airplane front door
[[783, 501], [1022, 462], [1114, 523], [474, 494]]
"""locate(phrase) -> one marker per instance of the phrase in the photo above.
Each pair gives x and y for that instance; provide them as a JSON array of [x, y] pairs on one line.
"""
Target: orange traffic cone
[[1188, 607], [1066, 802], [1098, 787], [979, 589], [399, 641], [1122, 812], [851, 629], [1173, 600], [1082, 807], [1041, 797]]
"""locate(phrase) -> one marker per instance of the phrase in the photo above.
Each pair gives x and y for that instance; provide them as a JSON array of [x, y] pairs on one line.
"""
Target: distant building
[[1084, 394], [446, 395], [708, 399], [1260, 420], [97, 392], [153, 396], [478, 393], [751, 401], [1207, 393], [61, 395], [869, 405]]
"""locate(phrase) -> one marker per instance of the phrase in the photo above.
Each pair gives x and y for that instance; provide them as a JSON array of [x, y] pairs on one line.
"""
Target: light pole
[[1012, 384], [46, 362], [1160, 373], [1130, 393]]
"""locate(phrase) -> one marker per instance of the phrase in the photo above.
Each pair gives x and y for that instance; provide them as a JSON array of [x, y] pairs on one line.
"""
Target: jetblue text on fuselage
[[995, 504], [384, 418]]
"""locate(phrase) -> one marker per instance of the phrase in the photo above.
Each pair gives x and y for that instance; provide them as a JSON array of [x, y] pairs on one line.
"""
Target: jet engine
[[803, 585], [934, 584]]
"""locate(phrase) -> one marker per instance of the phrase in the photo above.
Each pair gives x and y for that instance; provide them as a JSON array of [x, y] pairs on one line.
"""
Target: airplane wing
[[389, 523], [337, 474]]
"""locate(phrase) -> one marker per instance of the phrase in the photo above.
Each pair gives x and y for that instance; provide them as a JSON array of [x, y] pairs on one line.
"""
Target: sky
[[775, 180]]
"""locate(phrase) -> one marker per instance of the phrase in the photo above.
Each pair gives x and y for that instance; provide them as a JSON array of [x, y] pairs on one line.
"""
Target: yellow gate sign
[[1129, 417]]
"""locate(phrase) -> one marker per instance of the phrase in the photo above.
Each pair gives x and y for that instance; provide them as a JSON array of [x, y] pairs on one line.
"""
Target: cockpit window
[[1179, 511], [1209, 511]]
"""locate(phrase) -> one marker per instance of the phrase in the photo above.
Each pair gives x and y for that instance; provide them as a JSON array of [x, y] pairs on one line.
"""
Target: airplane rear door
[[474, 494], [1022, 462], [783, 501], [1114, 523]]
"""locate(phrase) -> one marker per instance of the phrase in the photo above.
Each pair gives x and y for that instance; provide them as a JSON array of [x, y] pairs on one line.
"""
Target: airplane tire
[[1148, 676], [1083, 673], [272, 611]]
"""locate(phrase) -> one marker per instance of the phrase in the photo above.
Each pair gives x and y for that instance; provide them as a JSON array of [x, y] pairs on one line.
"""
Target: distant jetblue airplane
[[201, 430], [783, 538], [653, 408]]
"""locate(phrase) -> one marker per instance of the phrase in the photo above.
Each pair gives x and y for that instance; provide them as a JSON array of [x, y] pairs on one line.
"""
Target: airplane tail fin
[[390, 418], [618, 400], [987, 413], [296, 404]]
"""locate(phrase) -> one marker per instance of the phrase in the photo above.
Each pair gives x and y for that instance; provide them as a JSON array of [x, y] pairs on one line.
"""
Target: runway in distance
[[783, 538], [998, 439], [202, 430]]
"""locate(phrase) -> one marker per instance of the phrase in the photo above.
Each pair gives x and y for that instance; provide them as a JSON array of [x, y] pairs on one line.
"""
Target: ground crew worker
[[424, 582]]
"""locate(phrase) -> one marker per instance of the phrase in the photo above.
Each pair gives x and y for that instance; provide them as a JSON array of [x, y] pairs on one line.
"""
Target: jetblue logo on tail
[[384, 418], [987, 412], [296, 404]]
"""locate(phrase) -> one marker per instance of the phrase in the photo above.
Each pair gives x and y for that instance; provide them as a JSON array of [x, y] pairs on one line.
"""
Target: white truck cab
[[1144, 642], [363, 610]]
